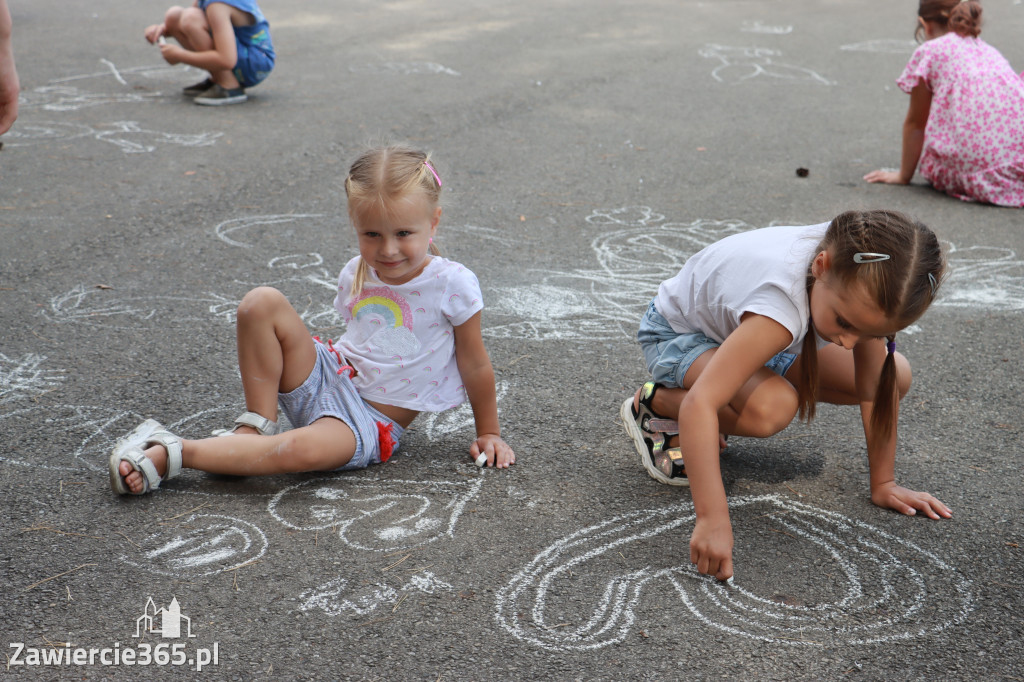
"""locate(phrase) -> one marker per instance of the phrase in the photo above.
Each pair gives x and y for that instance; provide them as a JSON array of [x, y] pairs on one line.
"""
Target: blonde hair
[[963, 17], [902, 286], [381, 177]]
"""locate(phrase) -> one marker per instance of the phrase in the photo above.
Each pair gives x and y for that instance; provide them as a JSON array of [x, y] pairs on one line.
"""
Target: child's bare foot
[[133, 479]]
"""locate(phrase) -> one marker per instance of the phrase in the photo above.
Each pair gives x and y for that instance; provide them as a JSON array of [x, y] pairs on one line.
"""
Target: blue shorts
[[253, 65], [669, 354], [325, 393]]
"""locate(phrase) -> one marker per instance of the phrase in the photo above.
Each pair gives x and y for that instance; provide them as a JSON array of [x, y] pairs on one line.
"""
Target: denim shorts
[[325, 393], [669, 354]]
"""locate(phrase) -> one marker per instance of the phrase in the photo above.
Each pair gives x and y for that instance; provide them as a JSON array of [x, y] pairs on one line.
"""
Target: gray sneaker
[[197, 89], [216, 96]]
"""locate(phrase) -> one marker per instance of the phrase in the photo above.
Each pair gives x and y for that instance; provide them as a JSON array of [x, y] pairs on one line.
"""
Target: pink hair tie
[[433, 172]]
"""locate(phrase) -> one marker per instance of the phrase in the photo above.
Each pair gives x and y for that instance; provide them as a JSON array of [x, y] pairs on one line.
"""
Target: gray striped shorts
[[326, 393]]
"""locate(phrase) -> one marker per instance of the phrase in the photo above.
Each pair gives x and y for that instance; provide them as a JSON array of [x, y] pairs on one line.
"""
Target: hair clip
[[433, 172], [864, 257], [891, 347]]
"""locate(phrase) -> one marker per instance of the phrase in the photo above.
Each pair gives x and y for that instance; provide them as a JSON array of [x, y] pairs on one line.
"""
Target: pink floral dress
[[974, 139]]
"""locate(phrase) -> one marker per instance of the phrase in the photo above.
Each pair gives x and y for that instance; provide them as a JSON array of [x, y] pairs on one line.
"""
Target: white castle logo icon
[[164, 622]]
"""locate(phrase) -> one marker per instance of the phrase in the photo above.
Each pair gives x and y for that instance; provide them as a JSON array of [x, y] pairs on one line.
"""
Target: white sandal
[[263, 426], [132, 448]]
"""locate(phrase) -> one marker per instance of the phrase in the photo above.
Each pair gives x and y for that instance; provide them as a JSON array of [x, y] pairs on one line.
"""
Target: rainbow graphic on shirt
[[382, 304]]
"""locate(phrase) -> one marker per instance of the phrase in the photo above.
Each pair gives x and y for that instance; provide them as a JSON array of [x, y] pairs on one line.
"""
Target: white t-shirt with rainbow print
[[400, 339]]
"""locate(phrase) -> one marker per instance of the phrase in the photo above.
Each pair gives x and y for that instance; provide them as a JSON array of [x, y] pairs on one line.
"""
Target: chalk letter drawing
[[740, 64], [26, 377], [335, 598], [374, 514], [864, 584], [202, 545]]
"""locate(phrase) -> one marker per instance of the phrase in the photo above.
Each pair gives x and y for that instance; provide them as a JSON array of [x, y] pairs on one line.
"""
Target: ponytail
[[963, 17], [883, 412], [807, 383]]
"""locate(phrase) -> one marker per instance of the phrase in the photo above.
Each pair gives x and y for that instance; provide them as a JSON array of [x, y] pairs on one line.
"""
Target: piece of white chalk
[[161, 40], [481, 460]]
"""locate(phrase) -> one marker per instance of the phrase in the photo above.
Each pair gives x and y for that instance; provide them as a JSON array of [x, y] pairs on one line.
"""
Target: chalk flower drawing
[[375, 514], [863, 585], [26, 376]]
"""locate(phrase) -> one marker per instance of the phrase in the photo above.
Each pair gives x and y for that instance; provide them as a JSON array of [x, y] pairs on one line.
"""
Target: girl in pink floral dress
[[964, 129]]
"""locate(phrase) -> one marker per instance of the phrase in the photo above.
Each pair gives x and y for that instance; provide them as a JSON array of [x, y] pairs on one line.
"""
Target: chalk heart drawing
[[202, 545], [336, 597], [741, 64], [374, 514], [28, 376], [862, 585]]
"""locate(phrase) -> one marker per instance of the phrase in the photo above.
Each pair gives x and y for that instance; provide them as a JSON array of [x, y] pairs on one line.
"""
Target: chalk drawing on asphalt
[[436, 425], [110, 70], [889, 46], [635, 251], [587, 589], [129, 136], [29, 376], [376, 514], [201, 545], [741, 64], [341, 595], [759, 27], [404, 68], [63, 98], [80, 437], [983, 277]]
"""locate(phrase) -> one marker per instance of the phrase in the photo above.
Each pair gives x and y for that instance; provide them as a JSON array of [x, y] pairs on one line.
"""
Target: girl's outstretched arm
[[732, 367], [913, 138], [478, 378], [867, 357]]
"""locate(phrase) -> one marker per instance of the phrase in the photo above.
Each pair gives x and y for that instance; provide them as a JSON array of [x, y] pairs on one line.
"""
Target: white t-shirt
[[761, 271], [401, 339]]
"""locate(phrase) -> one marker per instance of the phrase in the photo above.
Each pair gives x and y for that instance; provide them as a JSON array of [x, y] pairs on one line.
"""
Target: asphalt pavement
[[587, 148]]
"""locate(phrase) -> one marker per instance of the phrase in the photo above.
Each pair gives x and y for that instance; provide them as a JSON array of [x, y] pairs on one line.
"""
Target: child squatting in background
[[228, 38], [964, 129], [760, 325], [412, 343]]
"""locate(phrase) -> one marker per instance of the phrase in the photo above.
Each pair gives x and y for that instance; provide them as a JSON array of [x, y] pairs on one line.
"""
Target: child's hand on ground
[[909, 502], [711, 547], [888, 177], [497, 451], [154, 32]]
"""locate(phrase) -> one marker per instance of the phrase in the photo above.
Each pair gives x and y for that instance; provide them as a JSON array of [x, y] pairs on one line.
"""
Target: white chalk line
[[741, 64], [868, 558], [335, 598]]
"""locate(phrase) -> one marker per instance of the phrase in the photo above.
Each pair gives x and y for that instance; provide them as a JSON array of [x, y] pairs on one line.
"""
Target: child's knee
[[258, 302], [770, 414], [193, 18], [904, 377]]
